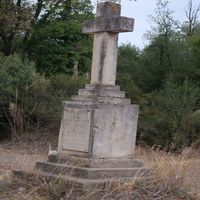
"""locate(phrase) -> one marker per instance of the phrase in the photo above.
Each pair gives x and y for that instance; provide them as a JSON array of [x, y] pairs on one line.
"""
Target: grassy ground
[[174, 176]]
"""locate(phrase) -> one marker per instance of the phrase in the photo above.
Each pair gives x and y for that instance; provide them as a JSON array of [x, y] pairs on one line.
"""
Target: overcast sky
[[140, 10]]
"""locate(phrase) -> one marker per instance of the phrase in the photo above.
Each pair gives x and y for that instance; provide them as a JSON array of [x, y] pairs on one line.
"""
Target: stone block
[[101, 130], [79, 183], [101, 93], [112, 100], [108, 9], [114, 130], [103, 87], [89, 173], [96, 162], [109, 100]]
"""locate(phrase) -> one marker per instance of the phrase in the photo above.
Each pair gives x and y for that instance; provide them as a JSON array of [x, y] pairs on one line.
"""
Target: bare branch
[[192, 16], [38, 8], [53, 5], [19, 3]]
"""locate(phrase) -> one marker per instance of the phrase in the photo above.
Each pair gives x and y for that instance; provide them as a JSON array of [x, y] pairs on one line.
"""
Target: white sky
[[140, 10]]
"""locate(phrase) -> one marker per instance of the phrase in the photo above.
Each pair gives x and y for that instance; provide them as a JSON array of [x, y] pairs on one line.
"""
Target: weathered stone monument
[[98, 129]]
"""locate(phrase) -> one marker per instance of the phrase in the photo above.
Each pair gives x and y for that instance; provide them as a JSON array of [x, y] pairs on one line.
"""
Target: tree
[[169, 124], [167, 53], [163, 27], [57, 43], [194, 55], [191, 26], [128, 61], [14, 23], [169, 79], [157, 57]]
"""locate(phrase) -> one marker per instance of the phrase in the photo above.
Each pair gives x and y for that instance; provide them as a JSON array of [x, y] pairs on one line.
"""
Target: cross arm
[[114, 24]]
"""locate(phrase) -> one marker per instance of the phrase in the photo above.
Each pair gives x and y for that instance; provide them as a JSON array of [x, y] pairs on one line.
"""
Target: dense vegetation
[[41, 43]]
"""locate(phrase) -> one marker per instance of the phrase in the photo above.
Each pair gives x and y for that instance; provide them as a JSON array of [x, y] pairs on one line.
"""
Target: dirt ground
[[24, 152], [24, 155]]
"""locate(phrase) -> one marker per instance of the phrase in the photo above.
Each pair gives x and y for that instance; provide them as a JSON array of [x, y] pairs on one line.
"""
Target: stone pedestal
[[98, 123], [97, 138]]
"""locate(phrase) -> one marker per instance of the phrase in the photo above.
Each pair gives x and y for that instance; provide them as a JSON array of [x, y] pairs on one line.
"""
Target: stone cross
[[99, 125], [106, 27]]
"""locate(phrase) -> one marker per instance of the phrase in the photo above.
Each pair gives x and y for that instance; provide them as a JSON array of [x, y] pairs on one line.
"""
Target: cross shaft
[[106, 27]]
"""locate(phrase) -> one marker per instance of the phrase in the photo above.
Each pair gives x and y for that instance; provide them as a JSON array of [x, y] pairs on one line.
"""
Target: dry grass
[[166, 182], [185, 167]]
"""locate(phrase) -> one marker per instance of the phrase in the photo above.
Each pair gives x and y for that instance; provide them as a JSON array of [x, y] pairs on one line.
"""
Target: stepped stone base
[[79, 183], [101, 94], [90, 173]]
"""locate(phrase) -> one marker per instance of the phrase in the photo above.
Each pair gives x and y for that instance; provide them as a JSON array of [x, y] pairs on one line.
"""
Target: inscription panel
[[76, 126]]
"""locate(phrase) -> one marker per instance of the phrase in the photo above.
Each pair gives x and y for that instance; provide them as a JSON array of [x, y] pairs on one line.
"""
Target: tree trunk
[[7, 45]]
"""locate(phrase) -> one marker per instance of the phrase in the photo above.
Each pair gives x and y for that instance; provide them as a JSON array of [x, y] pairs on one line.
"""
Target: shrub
[[28, 99], [128, 85], [194, 128], [168, 124], [15, 77], [48, 94]]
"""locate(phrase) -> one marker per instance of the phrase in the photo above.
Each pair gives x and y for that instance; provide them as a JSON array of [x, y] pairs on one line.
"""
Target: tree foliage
[[163, 78], [166, 73], [15, 19], [57, 43]]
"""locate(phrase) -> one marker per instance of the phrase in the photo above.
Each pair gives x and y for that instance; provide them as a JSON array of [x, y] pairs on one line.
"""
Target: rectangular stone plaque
[[76, 126]]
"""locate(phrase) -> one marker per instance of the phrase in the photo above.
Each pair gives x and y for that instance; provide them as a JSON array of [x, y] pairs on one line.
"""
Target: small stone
[[52, 156], [21, 190], [52, 153]]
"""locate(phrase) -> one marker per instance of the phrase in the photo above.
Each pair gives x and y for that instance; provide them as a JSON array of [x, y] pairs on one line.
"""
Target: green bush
[[168, 124], [28, 99], [48, 94], [127, 84], [16, 77], [194, 127]]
